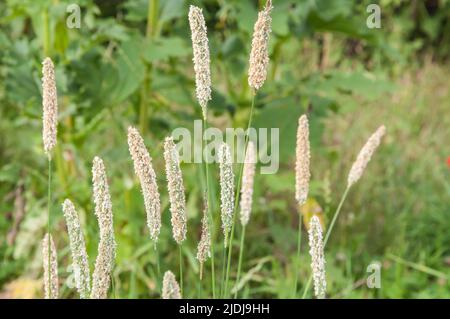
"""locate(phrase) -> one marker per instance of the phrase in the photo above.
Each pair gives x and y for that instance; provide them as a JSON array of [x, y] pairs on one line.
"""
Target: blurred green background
[[130, 64]]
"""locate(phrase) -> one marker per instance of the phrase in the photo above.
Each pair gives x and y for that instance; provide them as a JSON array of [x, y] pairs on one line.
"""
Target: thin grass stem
[[241, 253], [199, 284], [222, 287], [49, 203], [181, 269], [211, 221], [297, 260], [158, 266], [238, 188]]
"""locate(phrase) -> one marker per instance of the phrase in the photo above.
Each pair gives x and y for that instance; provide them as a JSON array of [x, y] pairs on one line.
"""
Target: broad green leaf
[[164, 48]]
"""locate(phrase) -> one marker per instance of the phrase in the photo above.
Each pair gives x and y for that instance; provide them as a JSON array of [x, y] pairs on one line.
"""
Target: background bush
[[126, 66]]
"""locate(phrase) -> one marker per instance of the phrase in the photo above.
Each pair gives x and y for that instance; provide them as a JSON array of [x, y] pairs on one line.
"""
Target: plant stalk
[[238, 188], [297, 260], [241, 253], [150, 33], [210, 218], [49, 201], [181, 269]]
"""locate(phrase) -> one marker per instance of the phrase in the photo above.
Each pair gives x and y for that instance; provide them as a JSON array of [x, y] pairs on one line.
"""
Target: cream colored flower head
[[226, 189], [50, 264], [201, 57], [259, 55], [204, 245], [176, 191], [49, 105], [302, 172], [106, 254], [144, 170], [247, 183], [80, 261], [365, 155], [317, 257], [171, 289]]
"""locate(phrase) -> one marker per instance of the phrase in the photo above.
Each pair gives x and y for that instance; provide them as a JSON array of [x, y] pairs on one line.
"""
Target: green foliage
[[128, 65]]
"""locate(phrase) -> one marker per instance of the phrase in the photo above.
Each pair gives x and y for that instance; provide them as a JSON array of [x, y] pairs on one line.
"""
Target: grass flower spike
[[226, 189], [144, 170], [259, 55], [50, 106], [201, 57], [107, 246], [171, 289], [204, 245], [247, 183], [302, 173], [176, 190], [365, 155], [317, 257], [78, 248], [50, 263]]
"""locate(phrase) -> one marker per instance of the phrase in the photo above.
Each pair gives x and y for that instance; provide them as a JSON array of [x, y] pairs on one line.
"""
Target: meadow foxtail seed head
[[49, 105], [78, 249], [107, 245], [259, 55], [247, 183], [317, 257], [226, 189], [201, 57], [302, 171], [170, 289], [147, 177], [176, 190], [50, 264], [204, 245], [365, 155]]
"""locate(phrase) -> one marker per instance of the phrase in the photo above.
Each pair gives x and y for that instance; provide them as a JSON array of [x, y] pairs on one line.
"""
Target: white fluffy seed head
[[259, 55], [302, 171], [50, 264], [49, 105], [147, 177], [317, 257], [365, 155], [201, 57], [107, 245], [170, 289], [204, 245], [247, 183], [80, 262], [176, 190], [226, 189]]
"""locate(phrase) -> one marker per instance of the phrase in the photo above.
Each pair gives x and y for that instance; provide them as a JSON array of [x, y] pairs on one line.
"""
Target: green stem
[[181, 270], [143, 107], [222, 287], [46, 33], [333, 221], [200, 281], [297, 260], [152, 11], [241, 253], [211, 222], [158, 267], [114, 285], [236, 202], [49, 203], [152, 20]]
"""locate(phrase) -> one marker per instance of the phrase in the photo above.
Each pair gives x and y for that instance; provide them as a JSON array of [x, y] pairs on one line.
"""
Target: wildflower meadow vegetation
[[100, 199]]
